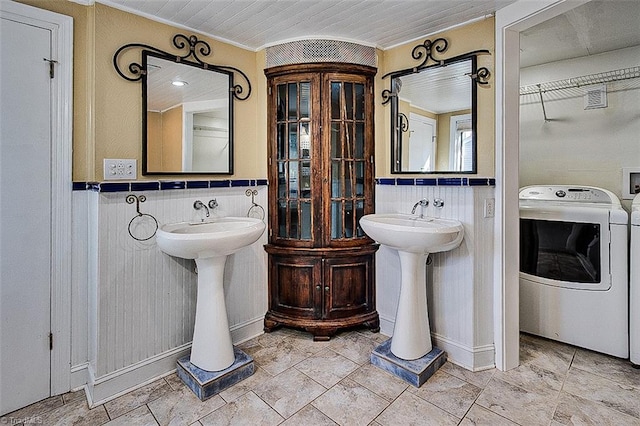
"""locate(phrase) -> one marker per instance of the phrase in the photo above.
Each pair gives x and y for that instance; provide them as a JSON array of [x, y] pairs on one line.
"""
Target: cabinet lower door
[[296, 286], [349, 286]]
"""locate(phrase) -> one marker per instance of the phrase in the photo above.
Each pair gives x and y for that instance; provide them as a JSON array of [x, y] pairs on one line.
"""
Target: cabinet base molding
[[322, 330]]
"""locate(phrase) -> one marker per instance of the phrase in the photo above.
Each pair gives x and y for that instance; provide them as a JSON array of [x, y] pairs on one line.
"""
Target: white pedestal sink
[[209, 244], [414, 238]]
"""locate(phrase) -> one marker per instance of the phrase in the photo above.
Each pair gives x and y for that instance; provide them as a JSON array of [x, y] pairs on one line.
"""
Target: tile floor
[[301, 382]]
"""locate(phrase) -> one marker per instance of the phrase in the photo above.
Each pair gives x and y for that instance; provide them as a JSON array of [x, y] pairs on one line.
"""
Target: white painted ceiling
[[255, 24], [593, 28], [200, 85]]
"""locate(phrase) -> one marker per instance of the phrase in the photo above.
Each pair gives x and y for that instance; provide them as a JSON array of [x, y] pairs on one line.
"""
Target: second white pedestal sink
[[209, 244], [414, 238]]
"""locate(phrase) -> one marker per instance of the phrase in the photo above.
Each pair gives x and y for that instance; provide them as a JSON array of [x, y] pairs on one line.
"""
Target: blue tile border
[[442, 181], [114, 187], [197, 184], [427, 182], [219, 183], [145, 186], [164, 185], [233, 183]]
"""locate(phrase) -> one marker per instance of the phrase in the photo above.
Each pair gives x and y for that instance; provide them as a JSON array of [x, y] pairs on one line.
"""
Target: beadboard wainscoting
[[460, 286], [133, 306], [138, 302]]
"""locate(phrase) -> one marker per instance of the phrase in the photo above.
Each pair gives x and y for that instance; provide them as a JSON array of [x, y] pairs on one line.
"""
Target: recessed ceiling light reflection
[[179, 83]]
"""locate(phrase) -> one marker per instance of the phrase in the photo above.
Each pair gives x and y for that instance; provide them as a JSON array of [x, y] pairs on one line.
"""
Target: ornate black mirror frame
[[429, 54], [195, 51]]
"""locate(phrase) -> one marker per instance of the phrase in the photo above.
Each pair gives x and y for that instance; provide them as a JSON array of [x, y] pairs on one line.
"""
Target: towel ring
[[255, 211], [140, 199]]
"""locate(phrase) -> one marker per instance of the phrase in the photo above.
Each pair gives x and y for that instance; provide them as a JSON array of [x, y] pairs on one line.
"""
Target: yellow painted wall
[[108, 109], [172, 139], [154, 136], [119, 104], [475, 36]]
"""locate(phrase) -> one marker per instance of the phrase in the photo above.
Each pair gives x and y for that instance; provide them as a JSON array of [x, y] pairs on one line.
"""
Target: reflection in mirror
[[433, 120], [434, 111], [188, 120]]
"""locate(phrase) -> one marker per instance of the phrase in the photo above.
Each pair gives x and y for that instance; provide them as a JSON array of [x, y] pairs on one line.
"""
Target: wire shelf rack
[[582, 81]]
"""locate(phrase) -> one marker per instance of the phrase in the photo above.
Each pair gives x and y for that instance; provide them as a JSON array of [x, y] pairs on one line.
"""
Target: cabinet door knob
[[318, 287], [326, 288]]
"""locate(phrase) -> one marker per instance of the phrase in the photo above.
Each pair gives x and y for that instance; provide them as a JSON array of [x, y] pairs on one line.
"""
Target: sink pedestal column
[[411, 332], [211, 349], [409, 354], [214, 364]]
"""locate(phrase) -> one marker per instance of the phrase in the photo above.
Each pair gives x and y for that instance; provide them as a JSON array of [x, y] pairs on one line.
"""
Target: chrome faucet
[[213, 204], [198, 205], [422, 203]]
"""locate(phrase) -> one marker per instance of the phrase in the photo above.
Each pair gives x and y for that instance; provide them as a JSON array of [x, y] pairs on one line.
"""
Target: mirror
[[434, 129], [188, 120], [433, 112], [187, 106]]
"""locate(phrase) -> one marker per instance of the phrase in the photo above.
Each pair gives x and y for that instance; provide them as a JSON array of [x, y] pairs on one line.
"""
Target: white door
[[422, 133], [25, 214]]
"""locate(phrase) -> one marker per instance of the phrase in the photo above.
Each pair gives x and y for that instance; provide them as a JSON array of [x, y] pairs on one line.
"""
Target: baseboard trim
[[79, 376], [471, 358], [242, 332], [386, 325], [110, 386]]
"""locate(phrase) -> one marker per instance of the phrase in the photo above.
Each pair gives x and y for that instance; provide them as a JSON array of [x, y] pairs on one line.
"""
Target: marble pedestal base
[[414, 372], [206, 384]]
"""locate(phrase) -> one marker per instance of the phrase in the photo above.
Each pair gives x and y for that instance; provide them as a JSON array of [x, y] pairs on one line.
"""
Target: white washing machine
[[573, 267], [634, 284]]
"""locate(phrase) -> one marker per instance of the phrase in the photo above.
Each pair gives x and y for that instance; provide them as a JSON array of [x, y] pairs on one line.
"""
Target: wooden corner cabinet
[[321, 182]]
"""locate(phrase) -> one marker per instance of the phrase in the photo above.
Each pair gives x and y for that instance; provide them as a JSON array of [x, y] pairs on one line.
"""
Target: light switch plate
[[115, 169]]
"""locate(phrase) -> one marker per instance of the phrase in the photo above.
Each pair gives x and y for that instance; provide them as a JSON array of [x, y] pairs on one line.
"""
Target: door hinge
[[50, 341], [52, 69]]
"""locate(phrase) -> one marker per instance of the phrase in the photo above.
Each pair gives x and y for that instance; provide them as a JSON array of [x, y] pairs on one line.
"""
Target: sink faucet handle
[[213, 204], [438, 202], [199, 205], [423, 203]]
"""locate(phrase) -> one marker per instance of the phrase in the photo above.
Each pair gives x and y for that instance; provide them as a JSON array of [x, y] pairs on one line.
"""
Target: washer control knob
[[560, 193]]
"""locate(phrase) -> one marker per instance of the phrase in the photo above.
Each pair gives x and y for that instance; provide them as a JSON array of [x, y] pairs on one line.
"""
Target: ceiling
[[200, 85], [592, 28], [595, 27], [255, 24]]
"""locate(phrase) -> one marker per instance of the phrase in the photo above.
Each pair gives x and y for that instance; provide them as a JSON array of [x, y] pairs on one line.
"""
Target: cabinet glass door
[[294, 130], [348, 158]]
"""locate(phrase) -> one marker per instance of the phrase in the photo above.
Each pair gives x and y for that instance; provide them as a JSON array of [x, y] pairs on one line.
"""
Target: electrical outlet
[[489, 207], [120, 169]]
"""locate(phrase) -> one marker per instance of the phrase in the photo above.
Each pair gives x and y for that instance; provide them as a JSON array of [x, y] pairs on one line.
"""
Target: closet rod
[[585, 80]]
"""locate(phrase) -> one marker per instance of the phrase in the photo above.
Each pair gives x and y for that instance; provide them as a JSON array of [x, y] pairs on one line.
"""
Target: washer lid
[[569, 194]]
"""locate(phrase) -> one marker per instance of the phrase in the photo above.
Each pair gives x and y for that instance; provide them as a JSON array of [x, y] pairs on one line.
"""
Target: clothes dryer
[[573, 267], [634, 283]]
